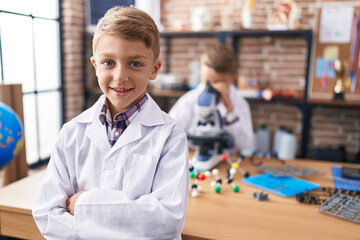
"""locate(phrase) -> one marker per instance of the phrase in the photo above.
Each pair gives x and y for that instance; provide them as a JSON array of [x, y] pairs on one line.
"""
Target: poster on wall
[[335, 24]]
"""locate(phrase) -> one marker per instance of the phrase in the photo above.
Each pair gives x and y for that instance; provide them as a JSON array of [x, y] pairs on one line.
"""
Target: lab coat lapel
[[149, 115], [131, 134], [95, 131], [97, 134]]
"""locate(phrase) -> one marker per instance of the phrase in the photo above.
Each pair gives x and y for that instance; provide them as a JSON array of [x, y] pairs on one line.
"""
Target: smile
[[121, 89]]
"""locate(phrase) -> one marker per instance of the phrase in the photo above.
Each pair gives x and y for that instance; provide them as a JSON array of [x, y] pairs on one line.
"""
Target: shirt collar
[[127, 115]]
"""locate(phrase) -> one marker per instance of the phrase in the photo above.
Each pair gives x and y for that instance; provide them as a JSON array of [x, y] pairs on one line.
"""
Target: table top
[[229, 215], [19, 196]]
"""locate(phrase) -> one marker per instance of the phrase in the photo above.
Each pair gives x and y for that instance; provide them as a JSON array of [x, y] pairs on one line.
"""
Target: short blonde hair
[[131, 23], [220, 58]]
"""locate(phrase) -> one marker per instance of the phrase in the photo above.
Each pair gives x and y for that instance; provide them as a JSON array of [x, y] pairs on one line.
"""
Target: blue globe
[[11, 134]]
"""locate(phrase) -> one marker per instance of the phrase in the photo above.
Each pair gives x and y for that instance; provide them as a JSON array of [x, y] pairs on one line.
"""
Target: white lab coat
[[137, 189], [185, 112]]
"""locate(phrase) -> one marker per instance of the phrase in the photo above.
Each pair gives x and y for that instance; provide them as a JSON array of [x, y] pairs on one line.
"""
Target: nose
[[120, 73]]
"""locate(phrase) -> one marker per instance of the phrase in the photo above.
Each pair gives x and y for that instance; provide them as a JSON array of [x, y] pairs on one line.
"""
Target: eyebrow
[[111, 55], [138, 57]]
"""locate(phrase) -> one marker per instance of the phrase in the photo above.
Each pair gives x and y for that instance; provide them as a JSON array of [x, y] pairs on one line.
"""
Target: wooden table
[[226, 215], [230, 215], [16, 201]]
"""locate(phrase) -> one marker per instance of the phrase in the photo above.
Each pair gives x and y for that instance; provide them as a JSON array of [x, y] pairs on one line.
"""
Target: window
[[30, 55]]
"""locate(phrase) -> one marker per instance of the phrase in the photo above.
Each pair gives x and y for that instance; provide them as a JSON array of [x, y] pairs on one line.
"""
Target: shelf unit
[[305, 104], [224, 36]]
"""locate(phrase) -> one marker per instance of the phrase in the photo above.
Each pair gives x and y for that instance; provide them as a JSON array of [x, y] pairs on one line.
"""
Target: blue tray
[[283, 186], [344, 183]]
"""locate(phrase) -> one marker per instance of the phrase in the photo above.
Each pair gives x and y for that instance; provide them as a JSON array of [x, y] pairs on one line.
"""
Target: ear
[[156, 69], [92, 60]]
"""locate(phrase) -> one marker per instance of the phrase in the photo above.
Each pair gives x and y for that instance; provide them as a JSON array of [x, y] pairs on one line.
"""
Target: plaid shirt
[[121, 120]]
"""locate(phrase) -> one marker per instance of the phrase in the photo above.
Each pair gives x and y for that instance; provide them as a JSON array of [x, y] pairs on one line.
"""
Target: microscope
[[208, 135]]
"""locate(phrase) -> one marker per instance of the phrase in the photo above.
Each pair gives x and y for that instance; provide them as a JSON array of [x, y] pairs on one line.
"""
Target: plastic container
[[262, 138], [287, 145], [251, 149], [194, 77], [277, 137]]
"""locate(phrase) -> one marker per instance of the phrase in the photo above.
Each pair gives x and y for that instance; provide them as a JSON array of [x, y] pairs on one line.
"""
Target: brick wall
[[73, 29], [335, 126], [276, 62], [276, 115]]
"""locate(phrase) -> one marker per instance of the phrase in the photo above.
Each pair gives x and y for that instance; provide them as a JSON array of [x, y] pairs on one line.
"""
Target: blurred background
[[45, 45]]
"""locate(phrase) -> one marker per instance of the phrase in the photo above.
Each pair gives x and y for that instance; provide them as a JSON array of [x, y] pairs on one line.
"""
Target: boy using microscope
[[218, 68]]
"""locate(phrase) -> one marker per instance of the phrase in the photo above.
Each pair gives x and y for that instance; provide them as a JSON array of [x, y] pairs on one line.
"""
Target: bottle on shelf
[[285, 144], [262, 138]]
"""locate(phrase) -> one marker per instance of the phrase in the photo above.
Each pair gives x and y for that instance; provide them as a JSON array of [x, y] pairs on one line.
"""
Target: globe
[[11, 134]]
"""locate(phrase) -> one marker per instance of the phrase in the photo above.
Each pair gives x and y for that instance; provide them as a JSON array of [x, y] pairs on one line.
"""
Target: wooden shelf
[[239, 33], [166, 93], [289, 101], [332, 102]]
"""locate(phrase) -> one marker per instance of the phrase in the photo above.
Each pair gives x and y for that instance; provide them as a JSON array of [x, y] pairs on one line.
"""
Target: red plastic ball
[[201, 176]]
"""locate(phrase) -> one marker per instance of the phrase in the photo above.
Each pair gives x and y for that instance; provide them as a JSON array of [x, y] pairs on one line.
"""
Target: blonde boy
[[120, 169], [218, 67]]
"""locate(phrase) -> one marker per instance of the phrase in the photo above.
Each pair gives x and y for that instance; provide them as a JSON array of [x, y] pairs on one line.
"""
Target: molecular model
[[197, 175], [216, 184], [235, 166]]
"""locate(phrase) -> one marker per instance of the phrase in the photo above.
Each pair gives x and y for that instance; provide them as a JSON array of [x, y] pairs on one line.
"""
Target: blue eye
[[108, 63], [135, 64]]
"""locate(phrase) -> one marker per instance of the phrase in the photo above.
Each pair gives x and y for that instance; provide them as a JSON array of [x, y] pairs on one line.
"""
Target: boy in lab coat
[[119, 170], [218, 66]]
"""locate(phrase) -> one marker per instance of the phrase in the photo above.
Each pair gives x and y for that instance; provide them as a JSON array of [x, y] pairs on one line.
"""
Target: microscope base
[[206, 165]]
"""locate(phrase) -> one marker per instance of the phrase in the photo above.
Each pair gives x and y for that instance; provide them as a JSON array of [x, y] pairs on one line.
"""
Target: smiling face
[[123, 67]]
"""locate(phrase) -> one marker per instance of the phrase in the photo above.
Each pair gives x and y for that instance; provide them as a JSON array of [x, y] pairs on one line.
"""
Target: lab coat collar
[[200, 87], [150, 115], [91, 114], [95, 131], [151, 111]]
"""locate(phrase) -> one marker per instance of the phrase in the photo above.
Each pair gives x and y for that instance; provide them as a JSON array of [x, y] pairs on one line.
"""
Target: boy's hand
[[224, 89], [70, 203]]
